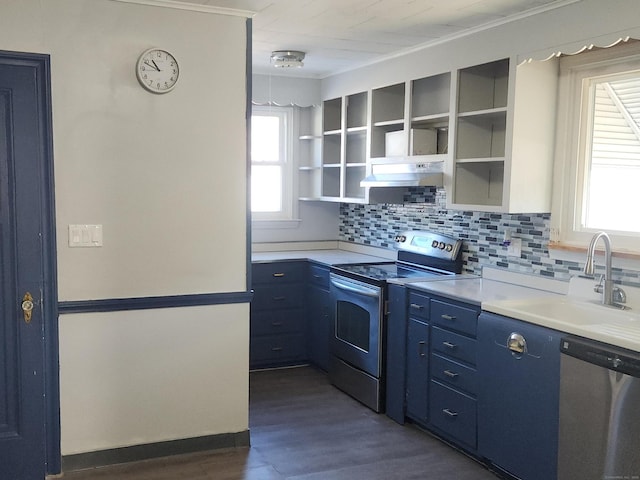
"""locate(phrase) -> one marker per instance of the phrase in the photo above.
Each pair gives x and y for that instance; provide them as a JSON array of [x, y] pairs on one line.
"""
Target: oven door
[[357, 329]]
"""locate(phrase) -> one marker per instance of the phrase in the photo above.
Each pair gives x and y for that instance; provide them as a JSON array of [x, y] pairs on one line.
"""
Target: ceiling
[[339, 35]]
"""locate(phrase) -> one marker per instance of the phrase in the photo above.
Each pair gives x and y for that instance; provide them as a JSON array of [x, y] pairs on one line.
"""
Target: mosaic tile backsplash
[[482, 233]]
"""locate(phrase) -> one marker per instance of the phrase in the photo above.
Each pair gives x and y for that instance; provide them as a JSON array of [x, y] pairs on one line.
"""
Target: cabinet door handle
[[449, 345], [279, 299], [449, 413], [417, 306], [276, 324], [421, 345], [450, 374], [450, 318], [276, 349], [317, 276], [278, 275]]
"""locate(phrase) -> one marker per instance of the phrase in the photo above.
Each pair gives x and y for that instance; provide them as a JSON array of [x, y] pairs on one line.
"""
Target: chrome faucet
[[611, 295]]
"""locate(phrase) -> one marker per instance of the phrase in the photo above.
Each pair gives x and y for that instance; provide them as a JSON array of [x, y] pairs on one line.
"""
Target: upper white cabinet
[[344, 148], [492, 127], [388, 117], [503, 150], [429, 118], [310, 153]]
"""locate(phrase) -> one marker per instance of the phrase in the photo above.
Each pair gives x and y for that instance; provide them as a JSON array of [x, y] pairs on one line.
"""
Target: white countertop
[[477, 290], [328, 257]]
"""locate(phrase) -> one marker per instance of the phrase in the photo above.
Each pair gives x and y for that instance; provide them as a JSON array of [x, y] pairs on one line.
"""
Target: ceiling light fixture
[[287, 58]]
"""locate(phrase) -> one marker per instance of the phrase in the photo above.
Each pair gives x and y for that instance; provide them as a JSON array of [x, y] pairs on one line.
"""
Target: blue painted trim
[[50, 301], [248, 108], [146, 303], [136, 453], [45, 184]]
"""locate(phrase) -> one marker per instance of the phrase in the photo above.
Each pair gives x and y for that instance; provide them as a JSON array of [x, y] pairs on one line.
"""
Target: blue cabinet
[[417, 370], [417, 362], [278, 314], [396, 353], [518, 398], [453, 373], [319, 316]]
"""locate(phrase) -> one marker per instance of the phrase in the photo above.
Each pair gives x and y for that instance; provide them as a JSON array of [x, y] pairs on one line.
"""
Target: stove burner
[[386, 271]]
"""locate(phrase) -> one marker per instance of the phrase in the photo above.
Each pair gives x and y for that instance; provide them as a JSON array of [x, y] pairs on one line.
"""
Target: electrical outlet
[[515, 247]]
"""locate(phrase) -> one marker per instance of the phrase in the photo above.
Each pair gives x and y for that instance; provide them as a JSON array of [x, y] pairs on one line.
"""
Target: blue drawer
[[454, 413], [277, 350], [454, 374], [277, 297], [278, 272], [274, 322], [418, 305], [453, 345], [454, 317], [319, 276]]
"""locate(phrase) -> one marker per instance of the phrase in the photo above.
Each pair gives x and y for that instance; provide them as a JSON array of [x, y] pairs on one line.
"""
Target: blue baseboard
[[147, 451]]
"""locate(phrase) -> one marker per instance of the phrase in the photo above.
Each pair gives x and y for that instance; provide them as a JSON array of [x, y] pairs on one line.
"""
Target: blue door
[[26, 273]]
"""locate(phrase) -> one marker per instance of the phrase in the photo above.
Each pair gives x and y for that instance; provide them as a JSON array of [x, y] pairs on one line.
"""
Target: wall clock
[[157, 70]]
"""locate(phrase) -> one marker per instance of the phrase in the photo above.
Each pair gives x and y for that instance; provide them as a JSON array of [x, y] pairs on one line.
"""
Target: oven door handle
[[350, 287]]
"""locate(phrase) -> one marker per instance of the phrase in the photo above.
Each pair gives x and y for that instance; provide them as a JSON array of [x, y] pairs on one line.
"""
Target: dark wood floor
[[302, 428]]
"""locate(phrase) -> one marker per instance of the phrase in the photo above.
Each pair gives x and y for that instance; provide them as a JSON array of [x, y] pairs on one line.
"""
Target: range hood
[[405, 174]]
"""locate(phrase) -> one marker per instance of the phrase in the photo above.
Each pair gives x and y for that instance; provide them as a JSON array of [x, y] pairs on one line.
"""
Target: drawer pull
[[449, 413], [449, 345], [276, 349], [417, 306], [317, 276], [276, 324], [451, 318], [421, 345], [279, 299], [278, 275], [450, 374]]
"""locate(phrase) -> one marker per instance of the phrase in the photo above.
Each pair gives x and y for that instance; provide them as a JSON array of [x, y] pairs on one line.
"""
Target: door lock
[[27, 307]]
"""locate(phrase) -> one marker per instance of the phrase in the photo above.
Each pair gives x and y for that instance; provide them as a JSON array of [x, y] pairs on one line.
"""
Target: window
[[597, 181], [271, 170]]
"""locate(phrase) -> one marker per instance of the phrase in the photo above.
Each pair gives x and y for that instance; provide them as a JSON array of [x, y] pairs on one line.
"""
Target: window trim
[[571, 146], [289, 211]]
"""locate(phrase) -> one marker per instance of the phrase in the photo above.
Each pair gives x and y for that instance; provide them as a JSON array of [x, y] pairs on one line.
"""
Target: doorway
[[29, 385]]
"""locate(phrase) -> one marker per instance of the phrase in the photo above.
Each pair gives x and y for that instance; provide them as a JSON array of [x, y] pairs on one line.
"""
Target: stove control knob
[[449, 247], [441, 245], [434, 244]]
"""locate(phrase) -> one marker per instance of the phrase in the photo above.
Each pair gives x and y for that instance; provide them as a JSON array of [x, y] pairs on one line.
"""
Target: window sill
[[275, 224], [620, 259]]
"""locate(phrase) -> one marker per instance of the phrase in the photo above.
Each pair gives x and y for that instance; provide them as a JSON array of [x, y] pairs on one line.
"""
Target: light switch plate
[[85, 235]]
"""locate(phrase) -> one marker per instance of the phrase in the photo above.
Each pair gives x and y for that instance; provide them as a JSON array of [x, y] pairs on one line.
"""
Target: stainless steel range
[[358, 296]]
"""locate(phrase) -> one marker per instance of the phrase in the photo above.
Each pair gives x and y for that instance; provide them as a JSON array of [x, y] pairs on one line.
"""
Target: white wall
[[317, 220], [166, 177], [152, 375]]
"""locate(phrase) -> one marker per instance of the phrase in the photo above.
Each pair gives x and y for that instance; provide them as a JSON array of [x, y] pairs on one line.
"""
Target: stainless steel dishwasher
[[599, 434]]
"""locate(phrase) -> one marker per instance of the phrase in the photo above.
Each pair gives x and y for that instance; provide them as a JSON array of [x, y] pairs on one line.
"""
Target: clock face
[[157, 70]]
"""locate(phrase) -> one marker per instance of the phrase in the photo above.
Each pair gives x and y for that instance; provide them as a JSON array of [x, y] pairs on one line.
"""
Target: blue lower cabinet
[[278, 314], [454, 414], [417, 370], [396, 353], [278, 349], [518, 397], [319, 319]]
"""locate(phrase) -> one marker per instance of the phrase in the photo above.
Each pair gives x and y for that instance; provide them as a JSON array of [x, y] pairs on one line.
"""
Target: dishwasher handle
[[517, 344], [604, 355]]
